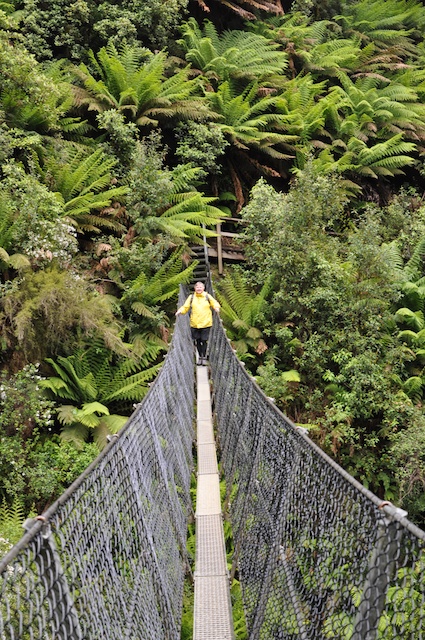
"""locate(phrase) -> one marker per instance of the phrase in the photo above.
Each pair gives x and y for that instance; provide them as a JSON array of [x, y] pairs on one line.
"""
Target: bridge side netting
[[318, 556], [108, 559]]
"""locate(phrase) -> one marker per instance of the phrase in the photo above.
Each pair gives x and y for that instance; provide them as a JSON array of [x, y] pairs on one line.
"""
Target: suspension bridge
[[317, 555]]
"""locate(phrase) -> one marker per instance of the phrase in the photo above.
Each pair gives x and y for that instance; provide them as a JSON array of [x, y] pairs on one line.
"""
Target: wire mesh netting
[[108, 559], [318, 556]]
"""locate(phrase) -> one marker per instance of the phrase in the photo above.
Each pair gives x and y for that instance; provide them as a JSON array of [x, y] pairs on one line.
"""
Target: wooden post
[[219, 250]]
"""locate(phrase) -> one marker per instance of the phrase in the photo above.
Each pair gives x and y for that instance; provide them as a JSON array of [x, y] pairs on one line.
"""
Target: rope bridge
[[317, 555]]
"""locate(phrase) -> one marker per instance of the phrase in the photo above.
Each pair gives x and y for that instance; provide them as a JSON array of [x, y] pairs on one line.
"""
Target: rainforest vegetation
[[128, 130]]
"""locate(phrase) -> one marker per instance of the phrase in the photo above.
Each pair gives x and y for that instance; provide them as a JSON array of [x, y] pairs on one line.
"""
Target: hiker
[[199, 304]]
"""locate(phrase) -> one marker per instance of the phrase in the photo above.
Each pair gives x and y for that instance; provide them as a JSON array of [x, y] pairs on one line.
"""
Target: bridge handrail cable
[[317, 554], [108, 559]]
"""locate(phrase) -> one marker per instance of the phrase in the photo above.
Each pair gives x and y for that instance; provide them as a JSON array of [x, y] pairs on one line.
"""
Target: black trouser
[[200, 338]]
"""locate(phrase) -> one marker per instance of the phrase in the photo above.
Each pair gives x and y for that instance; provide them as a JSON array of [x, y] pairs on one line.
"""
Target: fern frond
[[231, 55], [143, 310], [135, 386], [408, 336], [11, 519], [413, 319], [76, 433], [413, 388], [415, 266]]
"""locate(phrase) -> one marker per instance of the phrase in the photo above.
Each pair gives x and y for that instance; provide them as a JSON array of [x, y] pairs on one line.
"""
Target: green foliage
[[185, 214], [257, 133], [282, 386], [328, 89], [122, 137], [236, 55], [304, 114], [239, 622], [243, 313], [275, 221], [59, 29], [34, 467], [149, 180], [368, 120], [201, 145], [93, 382], [30, 220], [333, 289], [248, 120], [133, 81], [11, 520], [24, 87], [53, 466], [52, 312], [45, 120], [408, 452], [373, 118], [23, 407], [150, 21], [147, 291], [16, 261], [129, 260], [84, 182], [187, 615], [142, 299], [393, 24]]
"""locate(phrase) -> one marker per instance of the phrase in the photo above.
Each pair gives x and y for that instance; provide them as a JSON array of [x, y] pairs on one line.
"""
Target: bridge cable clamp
[[392, 512], [302, 430]]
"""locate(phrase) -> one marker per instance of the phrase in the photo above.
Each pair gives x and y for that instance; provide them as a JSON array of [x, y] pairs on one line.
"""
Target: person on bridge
[[199, 304]]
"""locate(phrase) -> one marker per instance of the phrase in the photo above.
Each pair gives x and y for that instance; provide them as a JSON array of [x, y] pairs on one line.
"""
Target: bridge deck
[[212, 610]]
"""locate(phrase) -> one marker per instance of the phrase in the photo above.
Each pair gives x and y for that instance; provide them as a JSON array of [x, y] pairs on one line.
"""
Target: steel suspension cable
[[317, 554], [108, 559]]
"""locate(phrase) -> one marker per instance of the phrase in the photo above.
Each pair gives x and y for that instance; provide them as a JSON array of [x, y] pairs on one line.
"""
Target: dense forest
[[128, 131]]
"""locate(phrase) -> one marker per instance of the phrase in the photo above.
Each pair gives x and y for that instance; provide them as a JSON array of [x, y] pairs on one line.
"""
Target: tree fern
[[135, 82], [390, 154], [242, 312], [413, 387], [413, 296], [190, 215], [294, 27], [83, 181], [163, 285], [412, 319], [305, 114], [249, 120], [74, 381], [414, 268], [380, 124], [392, 23], [330, 57], [232, 54], [94, 383], [382, 159]]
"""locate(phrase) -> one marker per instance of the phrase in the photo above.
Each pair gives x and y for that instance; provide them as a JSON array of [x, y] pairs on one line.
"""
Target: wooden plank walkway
[[212, 610]]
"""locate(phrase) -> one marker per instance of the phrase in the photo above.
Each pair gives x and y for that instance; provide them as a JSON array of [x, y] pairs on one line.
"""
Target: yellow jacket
[[201, 314]]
